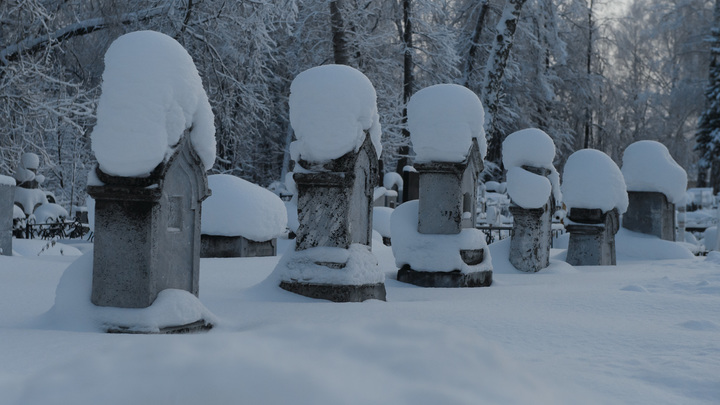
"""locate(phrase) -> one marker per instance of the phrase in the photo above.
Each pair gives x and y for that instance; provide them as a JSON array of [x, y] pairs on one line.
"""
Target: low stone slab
[[337, 293], [444, 279], [194, 327], [235, 246]]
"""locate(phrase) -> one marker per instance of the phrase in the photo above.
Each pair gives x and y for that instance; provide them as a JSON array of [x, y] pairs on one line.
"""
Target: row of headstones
[[147, 229]]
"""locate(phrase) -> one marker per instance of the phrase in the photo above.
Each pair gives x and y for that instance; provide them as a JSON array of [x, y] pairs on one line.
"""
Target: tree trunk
[[340, 53], [495, 70], [588, 109], [408, 77], [474, 43]]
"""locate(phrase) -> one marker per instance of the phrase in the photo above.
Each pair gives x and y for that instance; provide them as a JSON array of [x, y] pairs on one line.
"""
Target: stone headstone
[[531, 236], [447, 204], [335, 211], [7, 198], [650, 213], [236, 246], [147, 231], [592, 237]]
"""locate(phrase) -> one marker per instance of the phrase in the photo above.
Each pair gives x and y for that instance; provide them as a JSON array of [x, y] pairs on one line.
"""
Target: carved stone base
[[337, 293], [444, 279], [194, 327]]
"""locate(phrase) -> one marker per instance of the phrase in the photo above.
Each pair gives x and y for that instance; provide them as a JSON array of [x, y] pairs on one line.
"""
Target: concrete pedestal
[[531, 238], [650, 213], [7, 198]]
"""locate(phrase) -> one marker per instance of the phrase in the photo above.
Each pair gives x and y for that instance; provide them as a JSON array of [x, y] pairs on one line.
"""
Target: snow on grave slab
[[648, 166], [433, 252], [240, 208], [151, 94], [592, 180], [7, 180], [331, 108], [49, 212], [443, 121]]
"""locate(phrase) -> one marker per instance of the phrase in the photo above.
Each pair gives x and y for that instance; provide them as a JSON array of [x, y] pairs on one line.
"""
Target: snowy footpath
[[642, 332]]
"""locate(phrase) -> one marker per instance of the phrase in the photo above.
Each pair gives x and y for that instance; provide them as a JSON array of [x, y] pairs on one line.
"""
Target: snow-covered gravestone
[[7, 198], [434, 239], [533, 185], [334, 115], [240, 219], [595, 194], [28, 195], [154, 141], [655, 184]]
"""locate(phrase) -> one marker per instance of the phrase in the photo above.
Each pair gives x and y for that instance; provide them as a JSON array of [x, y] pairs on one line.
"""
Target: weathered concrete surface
[[441, 200], [444, 279], [7, 199], [650, 213], [147, 232], [337, 293], [531, 238], [235, 246], [592, 237], [335, 202]]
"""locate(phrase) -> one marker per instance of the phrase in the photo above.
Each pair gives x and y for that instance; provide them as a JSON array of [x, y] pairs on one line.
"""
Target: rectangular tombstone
[[441, 198], [650, 213], [236, 246], [531, 238], [7, 201], [147, 232], [592, 237]]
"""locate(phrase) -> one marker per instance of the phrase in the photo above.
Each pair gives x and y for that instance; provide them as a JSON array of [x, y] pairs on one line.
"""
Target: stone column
[[531, 236], [592, 237], [650, 213], [7, 200]]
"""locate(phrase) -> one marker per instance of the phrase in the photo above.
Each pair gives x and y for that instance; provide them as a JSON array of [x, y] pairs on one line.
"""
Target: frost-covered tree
[[708, 131]]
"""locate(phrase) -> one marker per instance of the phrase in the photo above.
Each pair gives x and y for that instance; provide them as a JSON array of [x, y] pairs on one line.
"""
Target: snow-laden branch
[[30, 45]]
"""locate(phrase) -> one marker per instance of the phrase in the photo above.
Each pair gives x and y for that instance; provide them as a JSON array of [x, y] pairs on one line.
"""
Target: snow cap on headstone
[[592, 180], [530, 147], [443, 120], [648, 166], [151, 93], [7, 180], [331, 107], [240, 208]]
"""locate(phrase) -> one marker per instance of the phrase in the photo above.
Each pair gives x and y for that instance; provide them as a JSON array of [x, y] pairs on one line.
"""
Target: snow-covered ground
[[642, 332]]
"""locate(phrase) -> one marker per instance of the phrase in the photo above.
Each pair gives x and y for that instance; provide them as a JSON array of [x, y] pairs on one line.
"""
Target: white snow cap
[[240, 208], [151, 93], [331, 107], [648, 166], [443, 120], [49, 213], [592, 180], [7, 180], [29, 198], [391, 179], [530, 147]]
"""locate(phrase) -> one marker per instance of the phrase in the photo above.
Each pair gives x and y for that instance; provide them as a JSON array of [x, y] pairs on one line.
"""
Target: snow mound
[[391, 179], [648, 166], [151, 93], [49, 212], [240, 208], [713, 257], [637, 246], [528, 147], [18, 212], [29, 198], [40, 247], [526, 189], [331, 107], [381, 220], [74, 311], [360, 266], [425, 252], [7, 180], [443, 120], [592, 180], [370, 362]]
